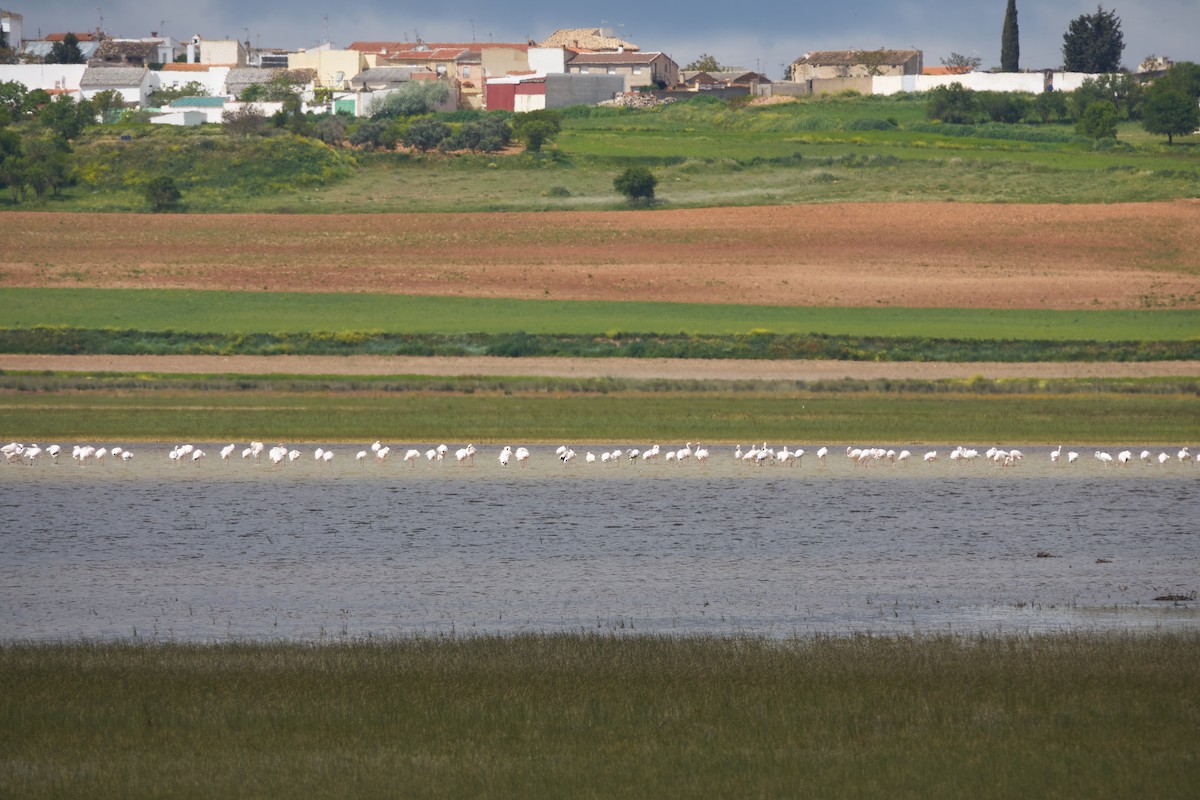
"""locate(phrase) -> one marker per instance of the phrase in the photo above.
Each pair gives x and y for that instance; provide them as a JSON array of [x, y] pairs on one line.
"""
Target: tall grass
[[1069, 715]]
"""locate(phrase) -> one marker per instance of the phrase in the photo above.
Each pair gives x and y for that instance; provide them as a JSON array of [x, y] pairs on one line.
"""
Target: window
[[466, 71], [637, 70], [612, 70], [583, 70]]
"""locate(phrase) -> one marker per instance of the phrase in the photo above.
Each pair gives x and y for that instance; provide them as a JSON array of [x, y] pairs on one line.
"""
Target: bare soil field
[[902, 254]]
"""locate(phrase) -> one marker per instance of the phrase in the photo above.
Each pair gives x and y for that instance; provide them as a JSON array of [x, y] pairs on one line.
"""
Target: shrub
[[162, 194], [637, 184]]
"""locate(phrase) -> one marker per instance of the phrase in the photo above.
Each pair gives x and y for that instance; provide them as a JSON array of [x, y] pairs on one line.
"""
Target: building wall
[[574, 90], [499, 61], [862, 85], [44, 76], [129, 94], [213, 79], [546, 60], [328, 64], [1032, 82], [226, 52]]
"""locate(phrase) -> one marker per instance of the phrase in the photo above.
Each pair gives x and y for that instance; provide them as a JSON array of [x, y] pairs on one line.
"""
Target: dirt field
[[907, 254]]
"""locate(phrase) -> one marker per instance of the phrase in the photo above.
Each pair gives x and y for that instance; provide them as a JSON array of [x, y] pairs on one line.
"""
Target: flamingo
[[821, 453], [227, 451], [1163, 458], [522, 454], [1104, 458], [126, 455], [382, 453], [197, 454], [701, 454], [1145, 456], [903, 457], [360, 456], [1184, 455], [1055, 455], [53, 451], [930, 457], [1072, 457], [411, 456], [1124, 457], [505, 455], [567, 455], [589, 458], [327, 457]]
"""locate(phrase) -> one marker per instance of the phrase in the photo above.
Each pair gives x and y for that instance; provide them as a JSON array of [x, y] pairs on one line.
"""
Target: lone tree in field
[[637, 184], [1170, 105], [1093, 43], [1099, 121], [1010, 44]]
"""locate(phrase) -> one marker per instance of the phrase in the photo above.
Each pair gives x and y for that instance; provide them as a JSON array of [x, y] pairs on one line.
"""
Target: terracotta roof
[[440, 54], [586, 39], [83, 37], [849, 58], [945, 70], [388, 48], [184, 67]]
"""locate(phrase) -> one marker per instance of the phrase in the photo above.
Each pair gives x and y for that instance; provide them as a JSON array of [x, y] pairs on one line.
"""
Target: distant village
[[569, 67]]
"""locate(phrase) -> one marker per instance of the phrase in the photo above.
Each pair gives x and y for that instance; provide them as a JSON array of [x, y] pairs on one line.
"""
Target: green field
[[1062, 716], [345, 410], [704, 154], [272, 312]]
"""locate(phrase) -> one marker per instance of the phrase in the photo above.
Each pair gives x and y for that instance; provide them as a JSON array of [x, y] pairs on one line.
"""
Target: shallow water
[[307, 551]]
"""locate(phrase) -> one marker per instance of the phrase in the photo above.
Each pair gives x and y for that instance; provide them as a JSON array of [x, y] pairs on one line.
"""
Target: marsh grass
[[1070, 715], [550, 416]]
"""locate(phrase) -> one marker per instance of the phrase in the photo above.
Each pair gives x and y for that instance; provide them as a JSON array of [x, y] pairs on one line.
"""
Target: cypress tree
[[1010, 40]]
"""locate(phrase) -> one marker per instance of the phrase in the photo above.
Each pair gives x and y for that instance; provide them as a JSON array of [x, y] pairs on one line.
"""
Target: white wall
[[1032, 82], [546, 60], [524, 103], [44, 76], [213, 80]]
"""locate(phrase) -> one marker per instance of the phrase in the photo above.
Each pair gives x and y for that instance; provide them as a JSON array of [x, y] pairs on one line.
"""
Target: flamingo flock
[[691, 453]]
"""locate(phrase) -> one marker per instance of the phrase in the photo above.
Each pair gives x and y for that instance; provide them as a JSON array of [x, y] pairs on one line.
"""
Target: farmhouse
[[826, 64], [637, 69]]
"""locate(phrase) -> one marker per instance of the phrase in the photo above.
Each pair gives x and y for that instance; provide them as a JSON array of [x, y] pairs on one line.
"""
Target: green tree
[[1171, 110], [164, 95], [1050, 104], [412, 100], [162, 194], [705, 63], [536, 129], [66, 52], [637, 184], [954, 103], [374, 134], [12, 98], [483, 136], [1185, 75], [45, 165], [426, 134], [331, 129], [108, 105], [1099, 121], [1093, 43], [1010, 40], [66, 117], [10, 161]]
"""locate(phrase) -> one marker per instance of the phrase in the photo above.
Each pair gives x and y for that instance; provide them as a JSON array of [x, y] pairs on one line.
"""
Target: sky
[[773, 32]]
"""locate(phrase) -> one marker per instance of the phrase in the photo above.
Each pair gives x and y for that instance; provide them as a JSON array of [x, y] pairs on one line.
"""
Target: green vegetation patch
[[225, 312], [625, 716]]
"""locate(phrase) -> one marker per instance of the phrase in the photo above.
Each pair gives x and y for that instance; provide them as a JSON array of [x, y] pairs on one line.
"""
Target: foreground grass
[[495, 412], [598, 716]]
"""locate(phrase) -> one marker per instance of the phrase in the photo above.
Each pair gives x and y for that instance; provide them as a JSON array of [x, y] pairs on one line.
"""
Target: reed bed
[[580, 715]]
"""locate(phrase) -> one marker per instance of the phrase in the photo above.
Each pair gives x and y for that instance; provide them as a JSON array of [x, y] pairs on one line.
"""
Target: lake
[[309, 551]]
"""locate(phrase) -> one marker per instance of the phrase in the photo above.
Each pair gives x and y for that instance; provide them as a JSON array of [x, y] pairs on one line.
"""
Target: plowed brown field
[[908, 254]]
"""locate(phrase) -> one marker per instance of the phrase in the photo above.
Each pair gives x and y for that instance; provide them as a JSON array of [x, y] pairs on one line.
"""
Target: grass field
[[1065, 716], [650, 414], [271, 312], [704, 154]]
